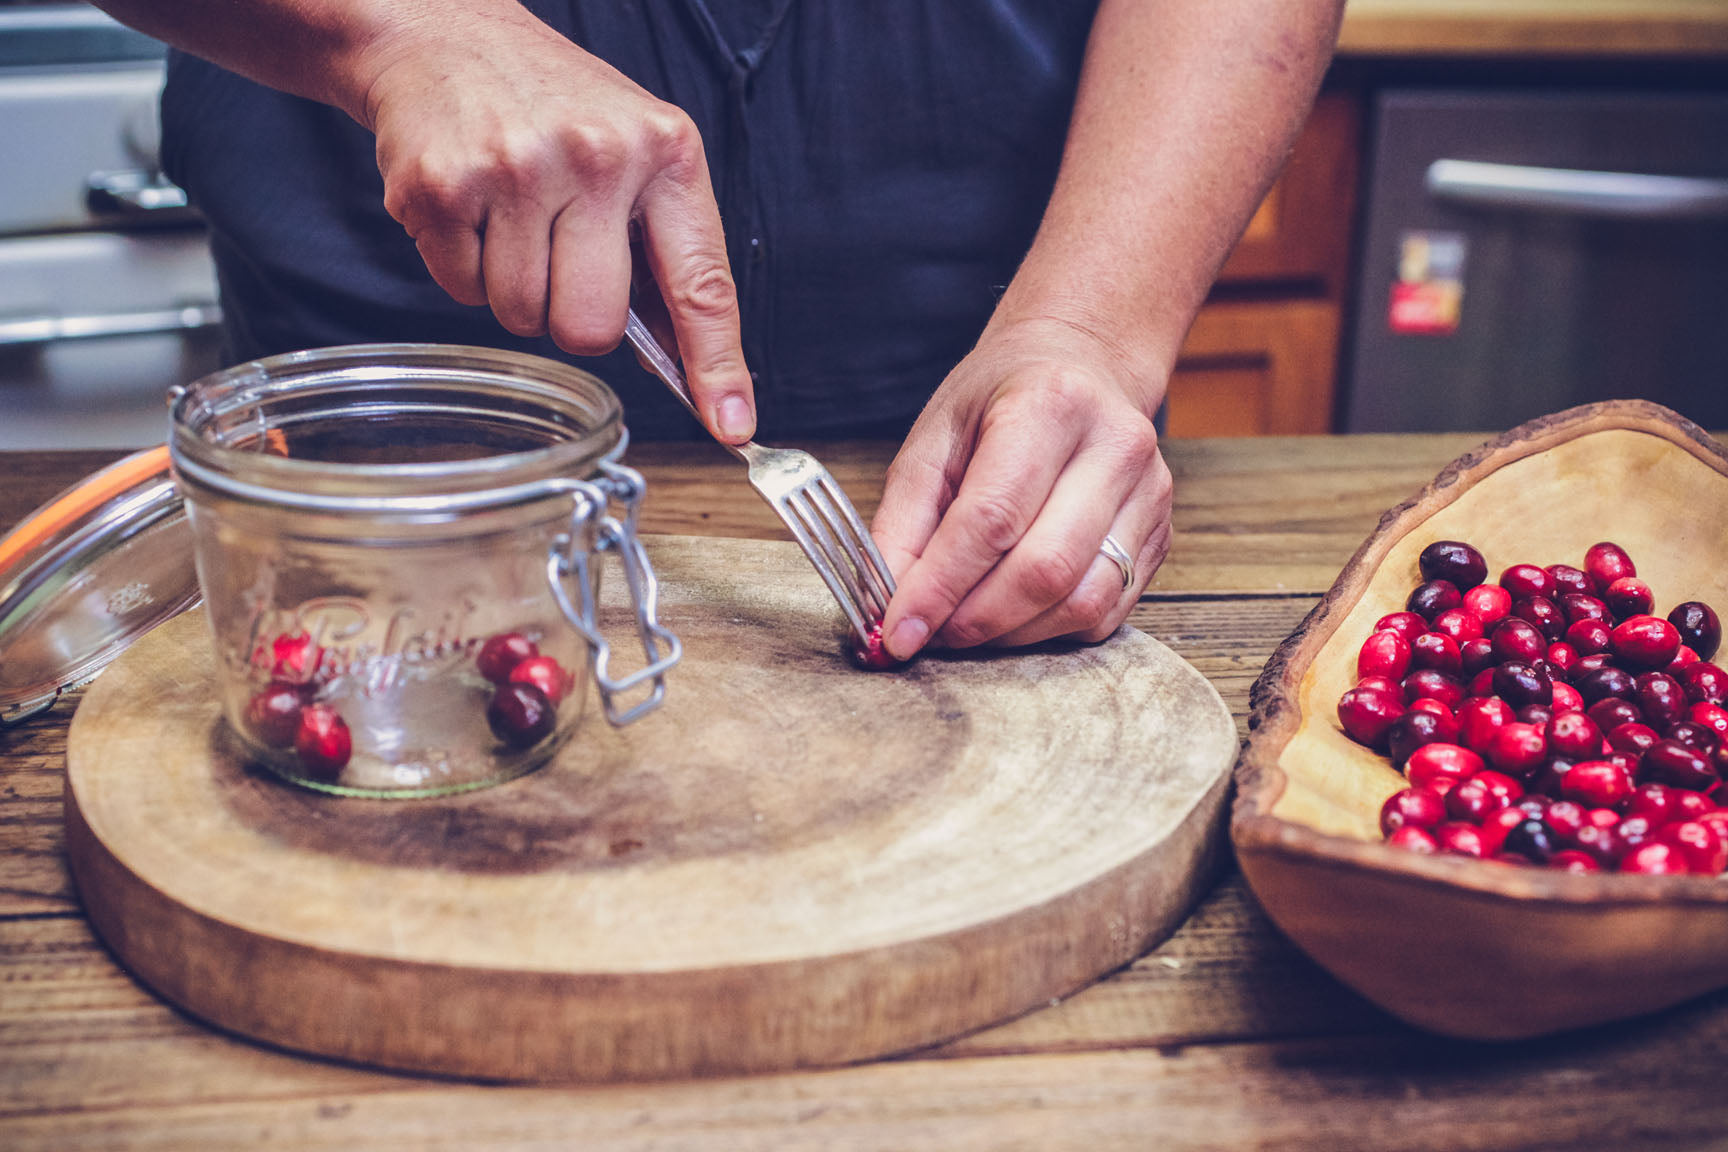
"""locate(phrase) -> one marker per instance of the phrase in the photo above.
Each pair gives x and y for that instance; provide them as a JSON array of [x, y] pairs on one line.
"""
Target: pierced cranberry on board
[[872, 654]]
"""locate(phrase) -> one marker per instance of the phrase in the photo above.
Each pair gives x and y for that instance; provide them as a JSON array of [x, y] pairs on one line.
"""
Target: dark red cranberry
[[1628, 596], [503, 652], [1698, 626], [1518, 749], [1632, 738], [1436, 651], [1547, 778], [1655, 801], [1576, 607], [1433, 598], [1476, 655], [1570, 581], [1481, 684], [1441, 766], [273, 715], [1594, 662], [1611, 712], [1455, 561], [1564, 817], [871, 654], [1605, 563], [1411, 808], [1416, 728], [1589, 637], [545, 674], [1495, 825], [520, 715], [1537, 714], [323, 743], [1489, 603], [1406, 624], [1574, 734], [1671, 762], [1526, 580], [1437, 685], [1541, 611], [1694, 735], [1660, 698], [1704, 682], [1644, 641], [1531, 839], [1519, 684], [1516, 639], [1459, 625], [1602, 844], [1601, 683]]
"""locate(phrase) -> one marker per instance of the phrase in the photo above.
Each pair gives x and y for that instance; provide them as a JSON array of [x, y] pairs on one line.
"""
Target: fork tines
[[828, 526]]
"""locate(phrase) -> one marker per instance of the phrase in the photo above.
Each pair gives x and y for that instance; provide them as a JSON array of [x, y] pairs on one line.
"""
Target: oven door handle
[[1624, 195], [48, 329]]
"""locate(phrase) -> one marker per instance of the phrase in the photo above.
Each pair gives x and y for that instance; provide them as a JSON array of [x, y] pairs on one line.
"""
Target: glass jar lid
[[85, 575]]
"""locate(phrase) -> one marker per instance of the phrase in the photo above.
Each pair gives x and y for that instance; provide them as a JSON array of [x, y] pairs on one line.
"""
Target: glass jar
[[398, 547]]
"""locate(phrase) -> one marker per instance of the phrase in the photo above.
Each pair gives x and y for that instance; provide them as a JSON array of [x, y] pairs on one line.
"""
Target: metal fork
[[806, 497]]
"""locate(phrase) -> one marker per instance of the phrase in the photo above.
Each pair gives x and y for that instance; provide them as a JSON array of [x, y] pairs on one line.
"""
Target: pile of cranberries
[[1549, 718]]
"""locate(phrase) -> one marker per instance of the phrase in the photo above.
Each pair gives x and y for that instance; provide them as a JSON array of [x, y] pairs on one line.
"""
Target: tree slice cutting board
[[792, 863]]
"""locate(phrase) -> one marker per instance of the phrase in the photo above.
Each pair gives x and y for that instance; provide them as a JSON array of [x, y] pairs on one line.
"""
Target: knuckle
[[1093, 603], [995, 520], [601, 155], [966, 631], [704, 292], [1051, 576]]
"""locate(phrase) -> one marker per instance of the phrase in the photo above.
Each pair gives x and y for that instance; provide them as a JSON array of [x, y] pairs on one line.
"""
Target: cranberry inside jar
[[1558, 716]]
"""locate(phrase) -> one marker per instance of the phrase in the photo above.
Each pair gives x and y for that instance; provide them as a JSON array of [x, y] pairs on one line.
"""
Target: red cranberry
[[1561, 659], [1628, 596], [1414, 839], [1698, 844], [1516, 639], [1537, 714], [545, 674], [1413, 729], [1657, 803], [1479, 718], [1411, 808], [1645, 641], [1570, 581], [1454, 561], [1654, 859], [1489, 603], [1594, 662], [1671, 762], [1429, 704], [1458, 625], [1540, 611], [1406, 624], [1602, 683], [1519, 684], [1574, 860], [1566, 698], [1693, 805], [1607, 562], [1495, 825], [1476, 655], [1575, 735], [273, 715], [1434, 684], [1441, 766], [1565, 818], [1698, 626], [1547, 778], [1437, 651], [1518, 748], [1589, 637], [1659, 697], [1433, 598], [323, 743], [503, 652], [871, 654], [1460, 839], [1635, 832], [1601, 842], [1612, 712], [1526, 580], [1712, 717], [1596, 784], [1481, 684], [1632, 737], [294, 658], [520, 715], [1694, 735], [1580, 607], [1380, 684], [1705, 682], [1683, 656]]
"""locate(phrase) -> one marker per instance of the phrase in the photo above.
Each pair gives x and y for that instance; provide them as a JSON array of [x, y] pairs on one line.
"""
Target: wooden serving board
[[792, 863]]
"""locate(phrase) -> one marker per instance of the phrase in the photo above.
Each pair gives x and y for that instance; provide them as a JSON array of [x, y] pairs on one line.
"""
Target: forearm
[[327, 50], [1185, 113]]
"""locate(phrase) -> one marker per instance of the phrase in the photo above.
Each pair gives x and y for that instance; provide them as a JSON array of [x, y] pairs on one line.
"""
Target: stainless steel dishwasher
[[1527, 250], [107, 292]]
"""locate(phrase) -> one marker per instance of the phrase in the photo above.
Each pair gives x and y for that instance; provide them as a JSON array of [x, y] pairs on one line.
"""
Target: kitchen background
[[1497, 210]]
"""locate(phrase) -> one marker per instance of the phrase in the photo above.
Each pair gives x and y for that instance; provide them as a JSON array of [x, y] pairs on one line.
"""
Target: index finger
[[686, 252]]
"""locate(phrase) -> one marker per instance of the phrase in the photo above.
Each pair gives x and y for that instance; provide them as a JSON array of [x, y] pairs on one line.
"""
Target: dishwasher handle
[[16, 331], [1620, 195]]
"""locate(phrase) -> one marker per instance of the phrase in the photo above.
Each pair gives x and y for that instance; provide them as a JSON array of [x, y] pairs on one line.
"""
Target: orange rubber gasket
[[80, 499]]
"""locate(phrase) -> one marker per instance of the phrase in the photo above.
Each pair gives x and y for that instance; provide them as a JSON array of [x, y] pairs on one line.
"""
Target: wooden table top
[[1578, 29], [1225, 1037]]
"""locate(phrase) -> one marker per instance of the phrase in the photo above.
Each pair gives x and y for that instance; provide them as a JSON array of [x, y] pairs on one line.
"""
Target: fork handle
[[664, 367]]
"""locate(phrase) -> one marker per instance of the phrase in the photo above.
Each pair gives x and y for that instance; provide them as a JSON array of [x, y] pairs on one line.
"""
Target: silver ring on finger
[[1117, 555]]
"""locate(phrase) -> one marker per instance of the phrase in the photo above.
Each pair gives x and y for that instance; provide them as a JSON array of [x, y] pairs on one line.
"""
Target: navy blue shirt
[[880, 171]]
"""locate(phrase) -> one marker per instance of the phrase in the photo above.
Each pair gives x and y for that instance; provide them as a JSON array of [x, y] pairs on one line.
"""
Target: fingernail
[[734, 418], [908, 636]]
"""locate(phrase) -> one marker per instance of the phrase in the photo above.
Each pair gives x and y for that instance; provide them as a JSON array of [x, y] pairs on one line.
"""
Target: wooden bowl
[[1466, 947]]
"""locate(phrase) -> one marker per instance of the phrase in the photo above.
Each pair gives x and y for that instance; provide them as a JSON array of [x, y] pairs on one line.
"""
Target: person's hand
[[1037, 445], [523, 167]]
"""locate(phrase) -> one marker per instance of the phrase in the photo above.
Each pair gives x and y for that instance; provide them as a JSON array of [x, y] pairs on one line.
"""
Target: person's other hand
[[1037, 445], [522, 167]]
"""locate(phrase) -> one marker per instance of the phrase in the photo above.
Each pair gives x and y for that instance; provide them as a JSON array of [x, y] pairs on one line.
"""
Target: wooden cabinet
[[1262, 357]]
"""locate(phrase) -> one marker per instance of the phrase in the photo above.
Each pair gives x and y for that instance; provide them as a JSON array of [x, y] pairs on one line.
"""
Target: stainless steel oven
[[107, 292]]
